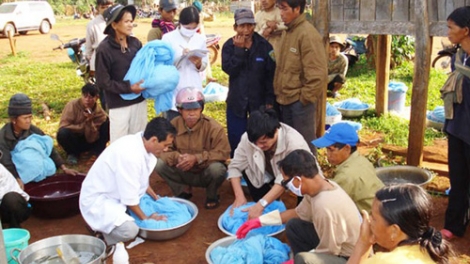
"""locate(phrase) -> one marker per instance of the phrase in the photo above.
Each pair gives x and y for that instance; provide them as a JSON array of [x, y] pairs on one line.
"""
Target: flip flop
[[185, 195], [212, 203]]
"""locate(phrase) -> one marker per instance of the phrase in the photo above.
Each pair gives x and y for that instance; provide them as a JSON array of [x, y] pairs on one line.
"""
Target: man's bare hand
[[186, 162], [237, 203], [158, 217], [136, 88]]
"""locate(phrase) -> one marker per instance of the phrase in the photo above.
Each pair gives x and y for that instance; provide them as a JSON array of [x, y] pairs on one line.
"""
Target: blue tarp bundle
[[437, 115], [31, 157], [397, 87], [232, 223], [253, 249], [176, 213], [331, 110], [154, 64], [352, 104]]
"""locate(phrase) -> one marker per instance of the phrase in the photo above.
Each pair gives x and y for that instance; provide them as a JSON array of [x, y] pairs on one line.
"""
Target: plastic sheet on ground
[[176, 213], [252, 249], [232, 223]]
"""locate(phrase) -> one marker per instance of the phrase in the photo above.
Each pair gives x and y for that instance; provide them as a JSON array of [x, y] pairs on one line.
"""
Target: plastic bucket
[[396, 96], [330, 120], [15, 238]]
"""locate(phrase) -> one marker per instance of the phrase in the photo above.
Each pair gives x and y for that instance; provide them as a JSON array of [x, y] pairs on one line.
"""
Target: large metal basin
[[223, 242], [170, 233], [403, 174], [44, 251]]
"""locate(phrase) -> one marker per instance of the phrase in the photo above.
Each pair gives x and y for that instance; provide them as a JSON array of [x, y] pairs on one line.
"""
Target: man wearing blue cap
[[354, 173]]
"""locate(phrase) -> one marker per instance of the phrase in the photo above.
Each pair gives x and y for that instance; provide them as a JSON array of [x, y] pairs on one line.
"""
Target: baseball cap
[[341, 132], [168, 5], [113, 12], [244, 16]]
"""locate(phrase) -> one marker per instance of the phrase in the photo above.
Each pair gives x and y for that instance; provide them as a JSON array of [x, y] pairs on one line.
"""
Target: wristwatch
[[263, 202]]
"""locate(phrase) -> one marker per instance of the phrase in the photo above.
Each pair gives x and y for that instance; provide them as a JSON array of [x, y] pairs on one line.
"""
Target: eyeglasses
[[285, 182]]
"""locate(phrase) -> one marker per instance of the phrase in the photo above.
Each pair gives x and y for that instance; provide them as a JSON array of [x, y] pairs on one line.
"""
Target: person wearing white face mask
[[183, 40], [324, 227]]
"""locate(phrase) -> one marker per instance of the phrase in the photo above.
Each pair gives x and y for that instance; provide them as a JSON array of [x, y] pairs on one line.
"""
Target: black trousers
[[75, 143], [459, 173], [337, 79], [257, 193], [302, 235], [14, 209]]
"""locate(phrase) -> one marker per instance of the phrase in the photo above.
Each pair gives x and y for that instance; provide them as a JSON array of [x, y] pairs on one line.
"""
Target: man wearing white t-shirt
[[120, 177]]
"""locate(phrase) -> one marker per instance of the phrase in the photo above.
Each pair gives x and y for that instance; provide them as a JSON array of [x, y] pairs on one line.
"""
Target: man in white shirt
[[14, 205], [120, 177]]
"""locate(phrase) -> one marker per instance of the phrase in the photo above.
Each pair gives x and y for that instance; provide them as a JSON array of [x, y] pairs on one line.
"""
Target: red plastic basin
[[56, 196]]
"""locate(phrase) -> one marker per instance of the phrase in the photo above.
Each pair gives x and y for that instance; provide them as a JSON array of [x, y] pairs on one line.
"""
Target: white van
[[21, 17]]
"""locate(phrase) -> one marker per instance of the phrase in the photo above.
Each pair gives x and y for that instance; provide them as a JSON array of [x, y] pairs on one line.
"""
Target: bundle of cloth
[[176, 213], [331, 110], [232, 223], [352, 104], [215, 92], [154, 64], [437, 115], [252, 249], [31, 157]]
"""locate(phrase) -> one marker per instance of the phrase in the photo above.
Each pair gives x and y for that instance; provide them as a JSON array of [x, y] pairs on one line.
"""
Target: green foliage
[[403, 49]]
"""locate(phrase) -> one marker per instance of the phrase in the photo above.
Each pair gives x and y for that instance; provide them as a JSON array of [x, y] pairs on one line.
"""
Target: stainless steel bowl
[[225, 231], [403, 174], [437, 125], [44, 251], [352, 112], [223, 242], [170, 233]]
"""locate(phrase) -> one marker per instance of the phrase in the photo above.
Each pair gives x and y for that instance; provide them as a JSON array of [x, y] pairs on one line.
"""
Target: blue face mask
[[295, 190]]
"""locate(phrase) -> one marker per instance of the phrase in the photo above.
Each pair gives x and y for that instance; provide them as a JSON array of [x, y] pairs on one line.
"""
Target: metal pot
[[44, 251], [172, 232], [403, 174]]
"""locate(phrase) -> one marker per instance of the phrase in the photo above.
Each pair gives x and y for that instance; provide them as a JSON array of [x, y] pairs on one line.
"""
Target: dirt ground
[[191, 246]]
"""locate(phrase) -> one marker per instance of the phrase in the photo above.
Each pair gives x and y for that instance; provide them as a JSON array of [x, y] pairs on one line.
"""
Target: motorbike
[[76, 51], [444, 56], [212, 44]]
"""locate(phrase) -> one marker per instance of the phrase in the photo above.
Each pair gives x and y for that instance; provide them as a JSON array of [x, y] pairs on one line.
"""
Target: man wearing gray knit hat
[[20, 104], [19, 128]]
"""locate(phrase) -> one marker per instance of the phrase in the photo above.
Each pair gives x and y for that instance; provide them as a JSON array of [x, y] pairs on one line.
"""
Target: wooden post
[[322, 24], [12, 42], [382, 66], [419, 95]]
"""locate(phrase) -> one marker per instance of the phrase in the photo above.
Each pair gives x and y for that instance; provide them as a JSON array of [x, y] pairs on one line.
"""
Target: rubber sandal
[[212, 203], [185, 195]]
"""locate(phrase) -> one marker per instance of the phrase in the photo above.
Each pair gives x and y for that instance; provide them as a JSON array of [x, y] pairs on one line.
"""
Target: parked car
[[21, 17]]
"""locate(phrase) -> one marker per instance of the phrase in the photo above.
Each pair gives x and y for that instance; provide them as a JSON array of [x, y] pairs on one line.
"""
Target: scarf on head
[[163, 25], [451, 91]]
